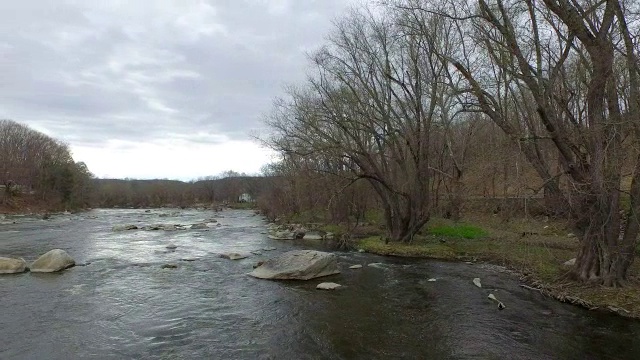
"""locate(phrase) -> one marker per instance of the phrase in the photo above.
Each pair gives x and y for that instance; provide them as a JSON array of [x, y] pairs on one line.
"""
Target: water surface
[[123, 305]]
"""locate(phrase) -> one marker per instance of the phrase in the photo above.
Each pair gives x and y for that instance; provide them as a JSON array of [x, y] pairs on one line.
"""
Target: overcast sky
[[156, 88]]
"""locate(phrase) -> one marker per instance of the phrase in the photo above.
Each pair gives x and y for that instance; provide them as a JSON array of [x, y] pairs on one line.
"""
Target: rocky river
[[123, 302]]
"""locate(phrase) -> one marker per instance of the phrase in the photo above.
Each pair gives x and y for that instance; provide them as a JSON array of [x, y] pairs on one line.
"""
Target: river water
[[123, 305]]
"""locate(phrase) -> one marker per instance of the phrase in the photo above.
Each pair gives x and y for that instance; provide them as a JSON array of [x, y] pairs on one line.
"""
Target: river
[[122, 305]]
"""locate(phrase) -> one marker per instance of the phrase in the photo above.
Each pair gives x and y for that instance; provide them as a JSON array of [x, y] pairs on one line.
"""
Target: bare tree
[[368, 114], [562, 74]]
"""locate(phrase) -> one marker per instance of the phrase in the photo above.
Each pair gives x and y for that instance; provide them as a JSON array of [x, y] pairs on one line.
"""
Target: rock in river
[[54, 260], [233, 256], [199, 226], [328, 286], [298, 265], [124, 227], [312, 236], [12, 266]]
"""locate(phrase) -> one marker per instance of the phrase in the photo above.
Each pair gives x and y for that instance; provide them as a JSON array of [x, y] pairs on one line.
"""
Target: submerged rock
[[12, 266], [233, 256], [172, 246], [328, 286], [283, 235], [52, 261], [377, 265], [199, 226], [298, 265], [124, 227], [169, 266]]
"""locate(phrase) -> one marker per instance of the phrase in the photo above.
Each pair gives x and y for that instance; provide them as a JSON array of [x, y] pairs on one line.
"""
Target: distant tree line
[[35, 164], [228, 188], [409, 97]]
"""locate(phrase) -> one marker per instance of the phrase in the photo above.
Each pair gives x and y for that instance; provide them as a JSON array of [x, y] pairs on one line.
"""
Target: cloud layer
[[142, 77]]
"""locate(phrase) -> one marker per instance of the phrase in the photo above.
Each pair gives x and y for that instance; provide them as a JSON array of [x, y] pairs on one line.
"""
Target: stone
[[124, 227], [376, 265], [298, 265], [200, 226], [500, 304], [355, 266], [312, 236], [432, 280], [259, 263], [12, 266], [269, 249], [283, 235], [477, 282], [169, 266], [328, 286], [233, 256], [52, 261], [570, 262]]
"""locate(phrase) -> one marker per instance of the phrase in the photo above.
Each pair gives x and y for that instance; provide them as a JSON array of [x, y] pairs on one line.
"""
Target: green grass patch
[[457, 231]]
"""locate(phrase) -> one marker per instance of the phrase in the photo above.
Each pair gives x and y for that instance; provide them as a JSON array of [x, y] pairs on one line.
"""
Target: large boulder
[[54, 260], [12, 266], [298, 265]]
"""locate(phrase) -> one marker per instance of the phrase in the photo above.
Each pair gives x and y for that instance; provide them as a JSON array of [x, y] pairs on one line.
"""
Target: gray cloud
[[202, 71]]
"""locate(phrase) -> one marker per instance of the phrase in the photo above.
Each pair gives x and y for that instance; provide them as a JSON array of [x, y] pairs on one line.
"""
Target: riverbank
[[536, 250]]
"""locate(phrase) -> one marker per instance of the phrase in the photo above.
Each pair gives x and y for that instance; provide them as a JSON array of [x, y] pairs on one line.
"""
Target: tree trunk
[[607, 242]]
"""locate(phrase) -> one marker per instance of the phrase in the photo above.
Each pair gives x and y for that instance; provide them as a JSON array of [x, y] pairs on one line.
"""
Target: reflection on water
[[122, 304]]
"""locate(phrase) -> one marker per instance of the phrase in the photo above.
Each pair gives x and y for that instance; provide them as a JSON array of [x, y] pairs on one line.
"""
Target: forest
[[424, 105]]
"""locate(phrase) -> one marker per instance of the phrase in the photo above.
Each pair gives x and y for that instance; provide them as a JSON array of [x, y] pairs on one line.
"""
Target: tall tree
[[367, 114], [565, 74]]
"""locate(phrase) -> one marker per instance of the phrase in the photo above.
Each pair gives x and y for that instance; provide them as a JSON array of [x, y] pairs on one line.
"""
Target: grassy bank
[[537, 250]]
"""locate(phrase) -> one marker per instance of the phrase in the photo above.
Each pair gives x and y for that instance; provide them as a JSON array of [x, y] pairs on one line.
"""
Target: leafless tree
[[562, 74]]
